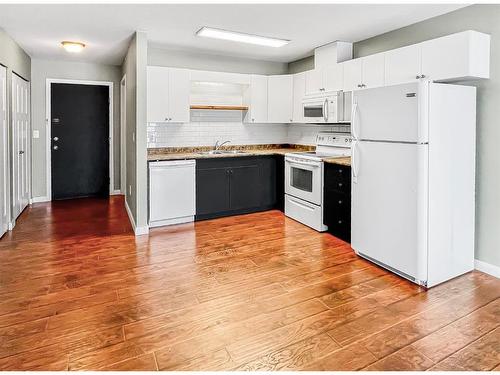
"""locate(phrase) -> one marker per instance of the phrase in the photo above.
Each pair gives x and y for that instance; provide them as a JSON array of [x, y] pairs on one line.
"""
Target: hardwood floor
[[253, 292]]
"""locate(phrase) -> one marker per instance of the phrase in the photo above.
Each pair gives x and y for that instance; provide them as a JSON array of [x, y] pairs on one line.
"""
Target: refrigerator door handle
[[354, 162], [353, 120]]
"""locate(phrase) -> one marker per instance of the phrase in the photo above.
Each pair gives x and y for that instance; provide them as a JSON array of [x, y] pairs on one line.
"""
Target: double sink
[[222, 152]]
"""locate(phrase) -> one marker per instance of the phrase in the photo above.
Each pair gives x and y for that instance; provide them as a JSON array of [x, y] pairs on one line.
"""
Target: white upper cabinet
[[372, 67], [256, 99], [314, 82], [333, 77], [179, 85], [403, 65], [167, 94], [279, 98], [456, 56], [352, 75], [299, 90], [157, 94]]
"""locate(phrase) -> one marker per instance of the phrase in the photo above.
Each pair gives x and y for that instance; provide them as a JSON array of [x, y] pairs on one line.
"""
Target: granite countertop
[[182, 153], [339, 160]]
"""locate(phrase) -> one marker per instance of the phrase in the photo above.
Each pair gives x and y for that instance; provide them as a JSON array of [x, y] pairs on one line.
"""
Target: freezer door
[[389, 205], [392, 113]]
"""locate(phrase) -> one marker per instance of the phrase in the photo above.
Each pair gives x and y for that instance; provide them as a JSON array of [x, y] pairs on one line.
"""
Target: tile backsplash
[[207, 133]]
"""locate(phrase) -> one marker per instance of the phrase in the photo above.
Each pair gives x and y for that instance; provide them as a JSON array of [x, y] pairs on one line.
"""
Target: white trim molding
[[116, 192], [48, 155], [138, 231], [40, 199], [488, 268]]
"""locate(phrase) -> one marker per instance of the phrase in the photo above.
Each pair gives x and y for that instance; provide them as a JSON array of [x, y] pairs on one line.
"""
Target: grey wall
[[484, 18], [134, 67], [17, 61], [40, 71], [200, 61], [307, 63]]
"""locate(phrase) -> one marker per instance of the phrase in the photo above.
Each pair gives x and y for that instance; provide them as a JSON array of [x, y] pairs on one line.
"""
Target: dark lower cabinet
[[337, 200], [280, 182], [236, 185]]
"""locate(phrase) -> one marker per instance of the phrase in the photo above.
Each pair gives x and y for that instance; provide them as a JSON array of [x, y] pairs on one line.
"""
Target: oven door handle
[[302, 163]]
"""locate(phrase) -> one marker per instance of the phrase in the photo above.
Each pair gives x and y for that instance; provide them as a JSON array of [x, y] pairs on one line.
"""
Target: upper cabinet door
[[279, 109], [157, 94], [333, 77], [352, 75], [179, 86], [460, 55], [258, 99], [299, 90], [403, 65], [373, 70], [314, 82]]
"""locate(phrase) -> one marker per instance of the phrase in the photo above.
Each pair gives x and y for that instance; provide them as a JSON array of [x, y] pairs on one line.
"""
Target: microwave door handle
[[325, 110]]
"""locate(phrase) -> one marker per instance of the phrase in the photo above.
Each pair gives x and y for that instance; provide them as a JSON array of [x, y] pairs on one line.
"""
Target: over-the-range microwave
[[328, 108]]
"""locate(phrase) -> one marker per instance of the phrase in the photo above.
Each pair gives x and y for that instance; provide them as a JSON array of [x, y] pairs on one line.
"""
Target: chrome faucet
[[218, 146]]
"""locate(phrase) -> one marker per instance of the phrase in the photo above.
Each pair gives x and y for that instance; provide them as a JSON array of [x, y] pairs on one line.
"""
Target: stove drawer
[[304, 212]]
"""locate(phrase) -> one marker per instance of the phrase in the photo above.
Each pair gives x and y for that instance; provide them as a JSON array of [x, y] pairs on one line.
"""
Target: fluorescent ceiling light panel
[[208, 32]]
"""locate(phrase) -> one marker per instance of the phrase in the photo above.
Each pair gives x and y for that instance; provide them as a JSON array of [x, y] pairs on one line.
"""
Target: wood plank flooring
[[255, 292]]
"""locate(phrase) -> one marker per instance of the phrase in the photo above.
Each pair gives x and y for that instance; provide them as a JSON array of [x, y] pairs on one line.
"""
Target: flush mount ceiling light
[[73, 47], [208, 32]]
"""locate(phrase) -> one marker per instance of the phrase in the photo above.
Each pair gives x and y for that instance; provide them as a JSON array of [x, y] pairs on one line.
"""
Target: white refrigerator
[[413, 179]]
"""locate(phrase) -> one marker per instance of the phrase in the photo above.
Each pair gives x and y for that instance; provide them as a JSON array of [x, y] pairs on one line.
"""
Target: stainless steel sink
[[222, 152]]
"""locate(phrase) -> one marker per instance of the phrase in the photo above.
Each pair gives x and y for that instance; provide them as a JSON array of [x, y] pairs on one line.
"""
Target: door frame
[[123, 132], [48, 125]]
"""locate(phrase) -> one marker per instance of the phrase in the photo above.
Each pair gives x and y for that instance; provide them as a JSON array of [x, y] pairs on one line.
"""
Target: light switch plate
[[36, 134]]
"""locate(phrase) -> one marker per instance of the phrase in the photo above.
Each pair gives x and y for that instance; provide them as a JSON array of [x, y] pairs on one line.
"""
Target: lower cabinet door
[[212, 191], [245, 191]]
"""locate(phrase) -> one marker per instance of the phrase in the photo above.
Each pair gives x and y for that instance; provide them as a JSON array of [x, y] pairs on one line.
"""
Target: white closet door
[[20, 143], [3, 152]]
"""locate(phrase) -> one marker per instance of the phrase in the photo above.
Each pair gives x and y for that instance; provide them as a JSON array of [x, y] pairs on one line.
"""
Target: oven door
[[304, 179]]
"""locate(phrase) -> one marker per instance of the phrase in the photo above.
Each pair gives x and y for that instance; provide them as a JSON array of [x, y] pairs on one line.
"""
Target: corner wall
[[135, 69]]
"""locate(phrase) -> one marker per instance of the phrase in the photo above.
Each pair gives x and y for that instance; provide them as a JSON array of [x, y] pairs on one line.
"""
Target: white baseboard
[[116, 192], [40, 199], [488, 268], [137, 230]]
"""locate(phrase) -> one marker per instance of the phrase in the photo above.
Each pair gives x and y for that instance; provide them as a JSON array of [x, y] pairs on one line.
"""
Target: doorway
[[80, 141], [21, 155], [3, 152]]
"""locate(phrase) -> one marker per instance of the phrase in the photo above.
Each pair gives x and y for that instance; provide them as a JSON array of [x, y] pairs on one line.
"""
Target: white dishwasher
[[171, 192]]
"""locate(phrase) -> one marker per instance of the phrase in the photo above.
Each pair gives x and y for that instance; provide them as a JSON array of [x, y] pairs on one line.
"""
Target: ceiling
[[107, 28]]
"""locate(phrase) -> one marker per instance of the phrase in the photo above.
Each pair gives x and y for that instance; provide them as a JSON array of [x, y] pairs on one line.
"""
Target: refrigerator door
[[389, 206], [392, 113]]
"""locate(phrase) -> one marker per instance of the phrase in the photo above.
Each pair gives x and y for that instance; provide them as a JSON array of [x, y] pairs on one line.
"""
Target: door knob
[[55, 147]]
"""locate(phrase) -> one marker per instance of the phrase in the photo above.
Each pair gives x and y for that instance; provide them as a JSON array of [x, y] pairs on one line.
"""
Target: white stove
[[304, 178]]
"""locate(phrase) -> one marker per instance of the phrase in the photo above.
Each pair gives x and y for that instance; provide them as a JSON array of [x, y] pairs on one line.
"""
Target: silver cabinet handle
[[21, 152], [55, 147], [56, 139], [422, 76]]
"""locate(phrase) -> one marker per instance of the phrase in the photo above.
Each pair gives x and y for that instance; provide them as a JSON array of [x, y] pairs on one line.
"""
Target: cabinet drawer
[[338, 177], [336, 204]]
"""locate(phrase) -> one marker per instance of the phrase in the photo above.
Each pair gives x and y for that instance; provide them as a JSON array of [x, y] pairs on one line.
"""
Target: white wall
[[486, 19], [40, 71], [199, 61]]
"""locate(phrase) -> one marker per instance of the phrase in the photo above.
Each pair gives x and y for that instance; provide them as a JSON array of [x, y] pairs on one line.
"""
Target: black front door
[[80, 140]]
